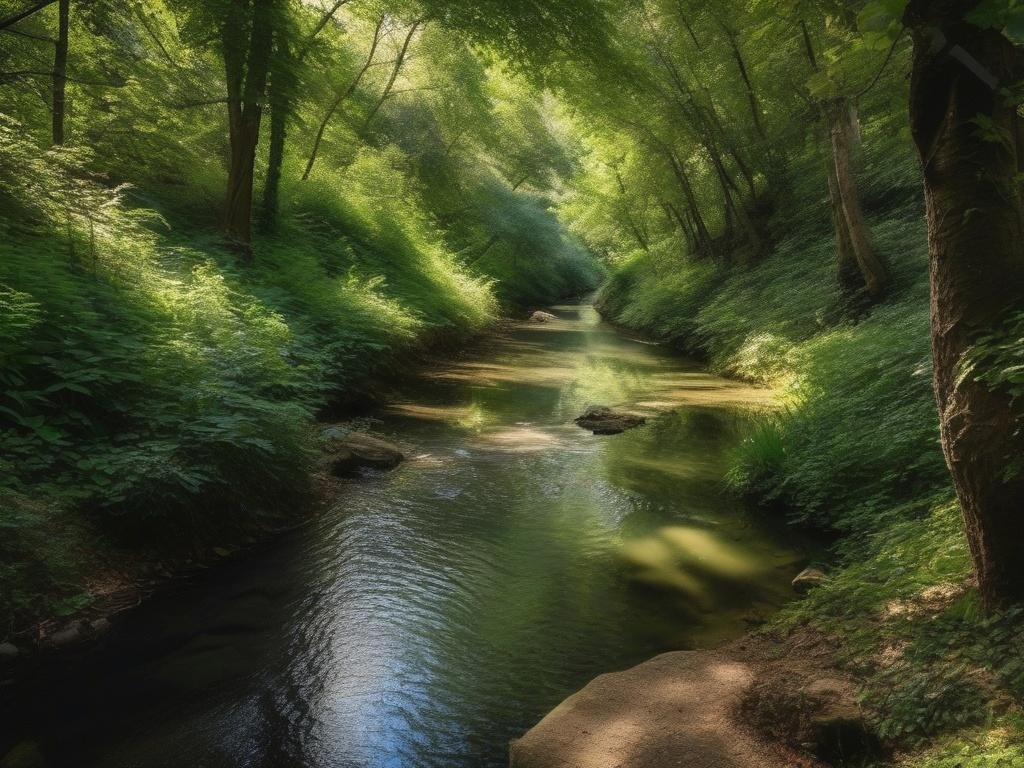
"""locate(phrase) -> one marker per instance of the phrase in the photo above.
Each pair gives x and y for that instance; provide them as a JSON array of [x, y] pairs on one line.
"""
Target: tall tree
[[284, 77], [248, 34], [853, 235], [60, 71], [967, 131]]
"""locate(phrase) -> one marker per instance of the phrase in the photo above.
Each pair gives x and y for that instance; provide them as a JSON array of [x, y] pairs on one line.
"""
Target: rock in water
[[605, 421], [809, 578], [542, 317], [356, 450]]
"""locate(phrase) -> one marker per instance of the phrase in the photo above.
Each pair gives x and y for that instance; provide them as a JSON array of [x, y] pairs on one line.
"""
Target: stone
[[604, 421], [70, 635], [8, 652], [542, 317], [336, 433], [809, 578], [100, 626], [356, 450]]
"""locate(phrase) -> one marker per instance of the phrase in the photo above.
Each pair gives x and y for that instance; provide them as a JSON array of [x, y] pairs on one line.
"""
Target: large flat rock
[[674, 710]]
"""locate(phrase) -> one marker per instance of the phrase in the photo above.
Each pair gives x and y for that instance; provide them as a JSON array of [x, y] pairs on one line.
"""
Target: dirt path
[[674, 710]]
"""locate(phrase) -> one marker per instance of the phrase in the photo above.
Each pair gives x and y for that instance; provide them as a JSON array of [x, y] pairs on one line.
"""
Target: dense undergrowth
[[159, 396], [854, 453]]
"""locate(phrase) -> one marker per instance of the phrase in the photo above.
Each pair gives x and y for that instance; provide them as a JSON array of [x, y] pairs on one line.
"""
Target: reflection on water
[[441, 610]]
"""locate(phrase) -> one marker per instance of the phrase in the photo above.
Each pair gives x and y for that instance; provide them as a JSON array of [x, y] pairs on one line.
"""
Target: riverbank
[[853, 455], [698, 707], [159, 390], [511, 557], [115, 578]]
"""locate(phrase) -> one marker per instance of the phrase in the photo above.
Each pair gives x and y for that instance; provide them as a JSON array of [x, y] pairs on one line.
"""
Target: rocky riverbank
[[754, 703]]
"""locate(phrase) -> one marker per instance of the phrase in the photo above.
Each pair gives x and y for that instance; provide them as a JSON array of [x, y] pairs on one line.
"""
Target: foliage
[[153, 391], [996, 360]]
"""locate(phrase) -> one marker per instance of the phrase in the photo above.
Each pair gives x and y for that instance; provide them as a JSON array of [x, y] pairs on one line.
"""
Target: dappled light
[[376, 373]]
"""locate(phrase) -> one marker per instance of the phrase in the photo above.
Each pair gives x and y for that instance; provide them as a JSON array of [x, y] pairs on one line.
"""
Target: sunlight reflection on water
[[441, 610]]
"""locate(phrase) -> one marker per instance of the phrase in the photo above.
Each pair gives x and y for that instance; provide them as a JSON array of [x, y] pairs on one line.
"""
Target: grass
[[155, 395], [854, 453]]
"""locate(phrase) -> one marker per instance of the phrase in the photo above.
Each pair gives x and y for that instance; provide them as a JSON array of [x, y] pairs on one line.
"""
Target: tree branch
[[15, 18], [394, 73]]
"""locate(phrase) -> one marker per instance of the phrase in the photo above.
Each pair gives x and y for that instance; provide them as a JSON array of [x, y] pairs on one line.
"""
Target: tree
[[247, 33], [855, 251], [60, 70], [967, 131], [344, 94], [284, 77]]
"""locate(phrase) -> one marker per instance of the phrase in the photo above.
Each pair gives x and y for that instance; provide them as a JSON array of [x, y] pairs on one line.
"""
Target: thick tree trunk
[[282, 88], [60, 71], [843, 137], [976, 245]]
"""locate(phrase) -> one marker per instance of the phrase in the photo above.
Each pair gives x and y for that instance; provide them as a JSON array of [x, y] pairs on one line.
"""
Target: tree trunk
[[637, 232], [282, 87], [755, 105], [850, 280], [976, 253], [60, 71], [280, 93], [279, 110], [736, 209], [247, 74], [683, 225], [705, 244], [843, 137]]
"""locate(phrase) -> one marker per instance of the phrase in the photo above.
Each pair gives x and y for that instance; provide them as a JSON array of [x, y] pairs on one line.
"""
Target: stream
[[438, 611]]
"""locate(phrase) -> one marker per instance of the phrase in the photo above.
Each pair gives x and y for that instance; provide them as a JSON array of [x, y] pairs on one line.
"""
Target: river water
[[440, 610]]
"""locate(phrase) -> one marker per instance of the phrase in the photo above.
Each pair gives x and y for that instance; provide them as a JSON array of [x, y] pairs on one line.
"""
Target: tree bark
[[247, 68], [60, 71], [850, 280], [976, 253], [752, 100], [279, 112], [683, 225], [843, 138]]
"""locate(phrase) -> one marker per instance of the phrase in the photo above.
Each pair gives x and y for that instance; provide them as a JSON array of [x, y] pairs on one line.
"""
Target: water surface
[[439, 611]]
